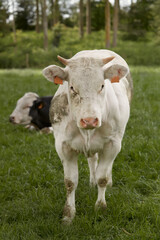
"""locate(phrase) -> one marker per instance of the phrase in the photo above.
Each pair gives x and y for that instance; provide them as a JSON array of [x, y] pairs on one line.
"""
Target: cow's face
[[86, 92], [20, 115], [86, 87]]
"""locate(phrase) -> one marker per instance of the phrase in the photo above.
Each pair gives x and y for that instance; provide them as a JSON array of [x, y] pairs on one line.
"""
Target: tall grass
[[32, 192]]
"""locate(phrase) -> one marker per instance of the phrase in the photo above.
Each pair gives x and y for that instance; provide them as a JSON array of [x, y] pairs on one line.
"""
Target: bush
[[66, 42]]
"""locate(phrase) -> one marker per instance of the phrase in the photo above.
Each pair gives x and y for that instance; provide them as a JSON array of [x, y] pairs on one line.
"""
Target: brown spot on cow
[[69, 186], [101, 205], [102, 182], [59, 108]]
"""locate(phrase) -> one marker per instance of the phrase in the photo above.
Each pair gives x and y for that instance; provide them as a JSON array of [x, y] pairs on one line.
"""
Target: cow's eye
[[72, 89], [102, 87]]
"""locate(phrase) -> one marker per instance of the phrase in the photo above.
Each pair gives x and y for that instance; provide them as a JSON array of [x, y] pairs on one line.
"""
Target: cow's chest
[[89, 141]]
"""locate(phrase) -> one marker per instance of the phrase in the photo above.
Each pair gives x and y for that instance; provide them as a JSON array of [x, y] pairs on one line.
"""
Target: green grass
[[32, 193]]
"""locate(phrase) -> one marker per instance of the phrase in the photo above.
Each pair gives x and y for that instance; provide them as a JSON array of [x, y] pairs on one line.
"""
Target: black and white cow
[[39, 112], [32, 111]]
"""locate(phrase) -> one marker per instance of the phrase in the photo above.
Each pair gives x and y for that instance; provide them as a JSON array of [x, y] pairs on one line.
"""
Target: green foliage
[[57, 33], [140, 18], [31, 175], [98, 15], [12, 56], [25, 14], [4, 28], [68, 43], [156, 22]]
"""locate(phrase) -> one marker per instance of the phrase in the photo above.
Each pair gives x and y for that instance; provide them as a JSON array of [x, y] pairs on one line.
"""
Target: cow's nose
[[11, 119], [89, 123]]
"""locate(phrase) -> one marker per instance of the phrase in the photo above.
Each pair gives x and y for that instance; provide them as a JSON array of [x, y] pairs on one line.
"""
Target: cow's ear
[[40, 105], [115, 72], [52, 71]]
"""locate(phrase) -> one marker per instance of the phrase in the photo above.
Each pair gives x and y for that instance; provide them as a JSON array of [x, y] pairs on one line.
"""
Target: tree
[[81, 18], [51, 15], [115, 22], [25, 14], [88, 16], [45, 24], [156, 21], [37, 16], [13, 24], [98, 15], [56, 11], [140, 18], [3, 17], [107, 23]]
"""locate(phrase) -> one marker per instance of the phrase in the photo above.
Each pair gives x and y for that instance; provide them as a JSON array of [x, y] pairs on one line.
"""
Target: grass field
[[32, 192]]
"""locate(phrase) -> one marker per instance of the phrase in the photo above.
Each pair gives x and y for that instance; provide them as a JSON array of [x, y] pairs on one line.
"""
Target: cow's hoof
[[66, 220], [100, 205], [46, 130], [68, 214]]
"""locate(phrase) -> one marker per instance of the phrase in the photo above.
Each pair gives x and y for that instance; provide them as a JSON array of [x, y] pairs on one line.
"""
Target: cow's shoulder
[[59, 108]]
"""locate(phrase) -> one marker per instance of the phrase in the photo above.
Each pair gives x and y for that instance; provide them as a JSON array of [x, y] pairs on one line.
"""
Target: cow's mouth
[[12, 120]]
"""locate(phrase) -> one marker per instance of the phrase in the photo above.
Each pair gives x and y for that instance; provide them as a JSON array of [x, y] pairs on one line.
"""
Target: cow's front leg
[[92, 163], [104, 170], [70, 166]]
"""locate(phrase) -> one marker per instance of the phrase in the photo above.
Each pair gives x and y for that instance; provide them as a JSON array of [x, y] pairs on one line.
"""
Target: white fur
[[110, 106], [21, 112]]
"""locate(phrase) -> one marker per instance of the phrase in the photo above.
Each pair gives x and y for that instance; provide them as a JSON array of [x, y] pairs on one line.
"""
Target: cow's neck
[[87, 135]]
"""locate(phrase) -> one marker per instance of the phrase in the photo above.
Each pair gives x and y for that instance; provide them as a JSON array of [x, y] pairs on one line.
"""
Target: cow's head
[[86, 86], [39, 112], [20, 115]]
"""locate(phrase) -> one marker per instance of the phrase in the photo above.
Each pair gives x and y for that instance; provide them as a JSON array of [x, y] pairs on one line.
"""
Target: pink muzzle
[[89, 123]]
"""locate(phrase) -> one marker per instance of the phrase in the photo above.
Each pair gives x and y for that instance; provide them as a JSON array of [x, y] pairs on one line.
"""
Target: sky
[[123, 3]]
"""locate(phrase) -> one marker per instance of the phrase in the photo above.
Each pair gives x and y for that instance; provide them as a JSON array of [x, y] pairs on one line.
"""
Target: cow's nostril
[[95, 123], [11, 119], [83, 123]]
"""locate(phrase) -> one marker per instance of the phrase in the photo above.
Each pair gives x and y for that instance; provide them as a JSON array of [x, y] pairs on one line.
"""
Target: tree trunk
[[45, 24], [107, 23], [88, 16], [81, 18], [56, 12], [52, 12], [37, 16], [115, 22], [14, 25]]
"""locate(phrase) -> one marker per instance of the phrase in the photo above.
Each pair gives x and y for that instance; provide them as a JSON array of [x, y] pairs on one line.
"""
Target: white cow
[[89, 113]]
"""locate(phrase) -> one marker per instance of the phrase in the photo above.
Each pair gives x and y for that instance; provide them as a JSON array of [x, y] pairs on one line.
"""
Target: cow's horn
[[63, 60], [107, 60]]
